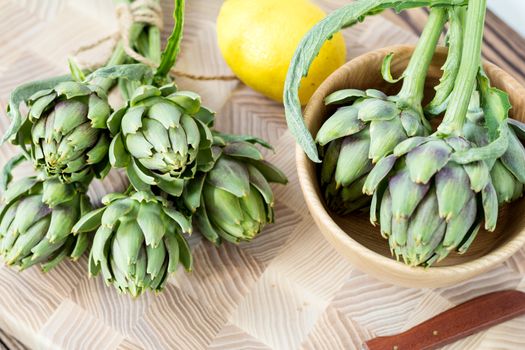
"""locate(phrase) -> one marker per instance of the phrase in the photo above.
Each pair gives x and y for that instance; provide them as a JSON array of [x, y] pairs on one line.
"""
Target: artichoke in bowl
[[368, 125], [431, 204], [508, 171]]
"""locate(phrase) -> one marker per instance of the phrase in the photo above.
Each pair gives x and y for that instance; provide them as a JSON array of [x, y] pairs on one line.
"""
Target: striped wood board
[[288, 289]]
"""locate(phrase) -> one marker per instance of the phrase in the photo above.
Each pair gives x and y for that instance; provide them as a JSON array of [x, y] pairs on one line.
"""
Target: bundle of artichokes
[[173, 159], [138, 241], [233, 201], [36, 221], [370, 124]]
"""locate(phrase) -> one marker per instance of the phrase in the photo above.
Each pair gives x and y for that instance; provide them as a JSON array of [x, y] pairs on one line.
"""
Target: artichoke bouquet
[[179, 168], [64, 134], [367, 125], [164, 139]]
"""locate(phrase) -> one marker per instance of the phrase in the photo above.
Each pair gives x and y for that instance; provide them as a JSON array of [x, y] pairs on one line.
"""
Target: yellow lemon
[[258, 39]]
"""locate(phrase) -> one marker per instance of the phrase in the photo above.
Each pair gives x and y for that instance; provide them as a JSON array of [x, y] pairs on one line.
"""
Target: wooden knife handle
[[459, 322]]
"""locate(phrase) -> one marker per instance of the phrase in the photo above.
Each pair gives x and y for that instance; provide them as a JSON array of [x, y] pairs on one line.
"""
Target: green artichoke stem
[[154, 44], [154, 36], [118, 57], [466, 80], [411, 93]]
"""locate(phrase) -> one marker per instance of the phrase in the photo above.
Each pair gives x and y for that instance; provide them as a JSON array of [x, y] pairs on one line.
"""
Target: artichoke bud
[[138, 241], [430, 205], [37, 220], [233, 201], [164, 131], [507, 172], [365, 128], [66, 123]]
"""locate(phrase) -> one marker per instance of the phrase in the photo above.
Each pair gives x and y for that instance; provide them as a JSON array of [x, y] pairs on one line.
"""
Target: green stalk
[[154, 44], [411, 93], [150, 49], [118, 57], [466, 80], [450, 69], [169, 56]]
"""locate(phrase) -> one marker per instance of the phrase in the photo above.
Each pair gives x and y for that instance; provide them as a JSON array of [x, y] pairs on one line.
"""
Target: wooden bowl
[[353, 236]]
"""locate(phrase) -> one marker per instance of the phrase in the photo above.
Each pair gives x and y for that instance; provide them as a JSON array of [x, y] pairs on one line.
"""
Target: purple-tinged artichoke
[[430, 204], [368, 125]]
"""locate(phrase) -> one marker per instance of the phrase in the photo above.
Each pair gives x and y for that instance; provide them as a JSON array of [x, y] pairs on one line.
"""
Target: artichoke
[[36, 221], [162, 137], [507, 172], [356, 137], [369, 124], [66, 129], [233, 201], [431, 204], [138, 241]]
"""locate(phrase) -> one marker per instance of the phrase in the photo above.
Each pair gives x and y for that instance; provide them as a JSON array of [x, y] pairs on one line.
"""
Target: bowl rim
[[337, 235]]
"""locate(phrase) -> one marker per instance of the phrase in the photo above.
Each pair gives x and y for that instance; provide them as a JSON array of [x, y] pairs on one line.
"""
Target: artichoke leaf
[[342, 123], [180, 219], [150, 222], [243, 150], [344, 96], [89, 222], [231, 176], [118, 156]]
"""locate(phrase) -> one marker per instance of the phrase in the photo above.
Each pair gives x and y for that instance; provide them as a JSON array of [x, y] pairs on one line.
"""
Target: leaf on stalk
[[495, 104], [133, 72], [451, 67], [240, 138], [7, 175], [22, 94], [386, 72]]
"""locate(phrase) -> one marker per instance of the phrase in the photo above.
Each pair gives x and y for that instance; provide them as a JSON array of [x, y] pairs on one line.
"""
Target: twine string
[[139, 11]]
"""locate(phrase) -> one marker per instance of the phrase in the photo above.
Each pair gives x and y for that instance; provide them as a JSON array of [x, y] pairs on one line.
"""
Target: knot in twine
[[139, 11]]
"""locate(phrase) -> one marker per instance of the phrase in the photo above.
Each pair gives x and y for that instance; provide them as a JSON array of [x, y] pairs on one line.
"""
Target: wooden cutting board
[[288, 289]]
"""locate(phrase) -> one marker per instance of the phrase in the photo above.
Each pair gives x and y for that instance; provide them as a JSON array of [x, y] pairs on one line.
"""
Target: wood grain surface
[[288, 289]]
